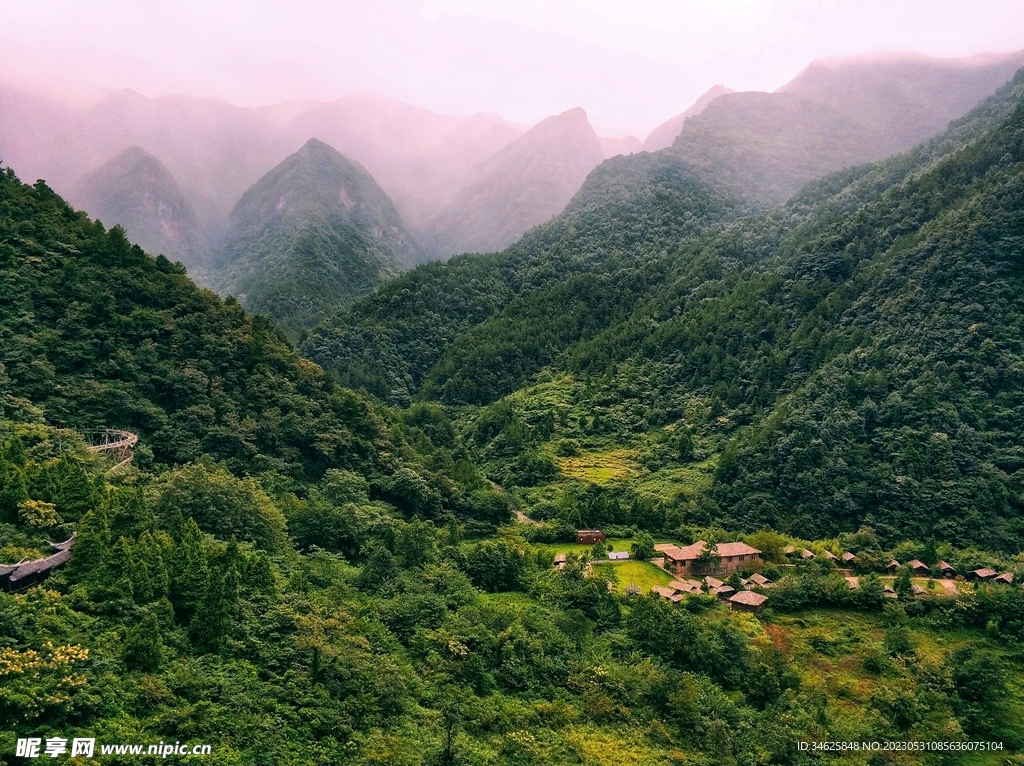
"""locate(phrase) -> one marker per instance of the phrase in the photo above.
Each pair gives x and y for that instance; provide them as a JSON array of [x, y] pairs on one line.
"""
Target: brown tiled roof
[[759, 578], [735, 549], [829, 555], [916, 564], [724, 591], [689, 553], [848, 557], [713, 582], [693, 552], [687, 586], [984, 573], [749, 598], [39, 565], [893, 563], [806, 554], [64, 545], [1006, 577], [946, 566]]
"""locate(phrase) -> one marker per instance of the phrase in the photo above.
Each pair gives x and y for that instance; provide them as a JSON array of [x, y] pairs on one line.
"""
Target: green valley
[[477, 512]]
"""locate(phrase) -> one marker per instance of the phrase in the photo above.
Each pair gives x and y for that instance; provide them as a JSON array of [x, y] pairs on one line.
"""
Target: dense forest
[[849, 357], [356, 564]]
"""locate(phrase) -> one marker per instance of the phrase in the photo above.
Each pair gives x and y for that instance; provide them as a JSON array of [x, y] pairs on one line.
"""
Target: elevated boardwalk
[[118, 444]]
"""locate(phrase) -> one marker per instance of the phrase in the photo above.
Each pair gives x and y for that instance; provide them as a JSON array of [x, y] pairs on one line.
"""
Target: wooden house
[[747, 601], [919, 567], [589, 536], [726, 557]]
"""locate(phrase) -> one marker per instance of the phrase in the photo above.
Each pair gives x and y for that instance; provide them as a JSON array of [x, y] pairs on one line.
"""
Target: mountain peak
[[312, 235], [663, 135], [525, 183], [135, 190]]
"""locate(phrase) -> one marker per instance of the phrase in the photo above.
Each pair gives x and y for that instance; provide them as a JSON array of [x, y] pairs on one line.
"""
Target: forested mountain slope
[[665, 134], [562, 279], [632, 211], [850, 358], [884, 292], [525, 183], [766, 146], [311, 236], [136, 191], [295, 576], [94, 333]]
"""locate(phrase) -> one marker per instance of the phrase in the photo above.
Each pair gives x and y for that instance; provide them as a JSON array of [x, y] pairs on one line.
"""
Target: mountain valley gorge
[[425, 405]]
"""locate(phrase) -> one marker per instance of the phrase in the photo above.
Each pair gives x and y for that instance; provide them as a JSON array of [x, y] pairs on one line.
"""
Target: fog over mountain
[[524, 184], [312, 235], [478, 182], [135, 191], [833, 115], [663, 135]]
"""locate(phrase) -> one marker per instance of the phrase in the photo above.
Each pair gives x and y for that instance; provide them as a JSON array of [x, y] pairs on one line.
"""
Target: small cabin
[[982, 574], [589, 536], [946, 568], [919, 567], [747, 601]]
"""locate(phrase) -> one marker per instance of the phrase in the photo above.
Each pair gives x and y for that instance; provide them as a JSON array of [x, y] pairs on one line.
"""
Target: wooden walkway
[[120, 445]]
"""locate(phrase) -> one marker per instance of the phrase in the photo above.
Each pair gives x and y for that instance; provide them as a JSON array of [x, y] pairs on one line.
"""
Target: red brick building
[[727, 557]]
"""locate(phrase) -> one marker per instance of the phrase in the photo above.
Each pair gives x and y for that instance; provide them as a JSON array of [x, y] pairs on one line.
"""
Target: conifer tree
[[190, 571], [130, 516], [121, 573], [12, 491], [143, 649], [92, 543], [213, 616]]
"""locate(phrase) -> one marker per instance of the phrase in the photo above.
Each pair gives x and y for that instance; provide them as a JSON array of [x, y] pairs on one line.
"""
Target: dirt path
[[521, 517]]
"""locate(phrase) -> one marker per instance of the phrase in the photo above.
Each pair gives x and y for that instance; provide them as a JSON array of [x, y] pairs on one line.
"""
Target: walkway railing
[[118, 444]]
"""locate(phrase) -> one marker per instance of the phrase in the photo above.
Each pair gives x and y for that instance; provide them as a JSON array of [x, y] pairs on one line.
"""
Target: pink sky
[[631, 65]]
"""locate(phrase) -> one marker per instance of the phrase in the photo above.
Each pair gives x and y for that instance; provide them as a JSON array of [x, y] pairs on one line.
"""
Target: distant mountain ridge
[[313, 234], [137, 192], [525, 183], [663, 135], [766, 146]]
